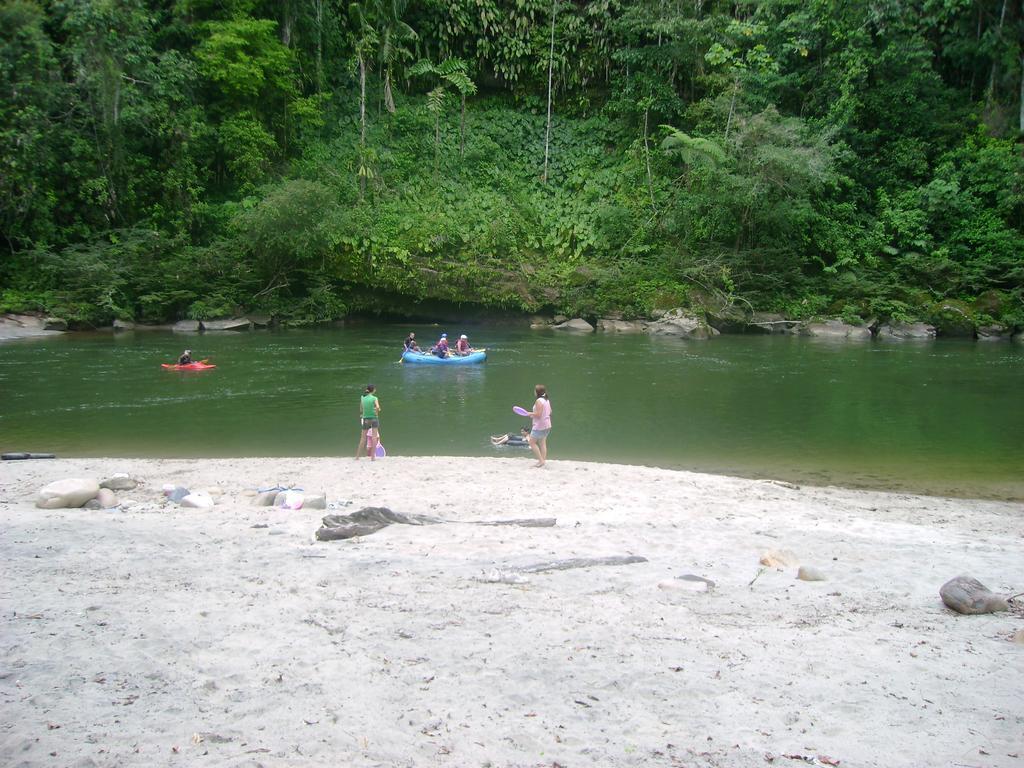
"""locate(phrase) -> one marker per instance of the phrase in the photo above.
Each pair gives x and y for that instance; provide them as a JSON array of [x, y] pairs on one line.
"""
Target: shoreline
[[157, 634], [865, 481]]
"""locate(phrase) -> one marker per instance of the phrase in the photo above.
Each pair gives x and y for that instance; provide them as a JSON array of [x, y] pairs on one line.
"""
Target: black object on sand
[[22, 456]]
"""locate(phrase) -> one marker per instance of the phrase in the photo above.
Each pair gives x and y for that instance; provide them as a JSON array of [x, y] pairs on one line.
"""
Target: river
[[943, 417]]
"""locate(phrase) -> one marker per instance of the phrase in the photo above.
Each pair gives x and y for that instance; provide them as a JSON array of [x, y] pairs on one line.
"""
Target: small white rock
[[197, 501], [806, 573]]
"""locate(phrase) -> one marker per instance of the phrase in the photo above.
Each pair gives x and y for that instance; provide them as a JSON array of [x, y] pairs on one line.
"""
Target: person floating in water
[[462, 347], [186, 357], [510, 438], [410, 343], [441, 348]]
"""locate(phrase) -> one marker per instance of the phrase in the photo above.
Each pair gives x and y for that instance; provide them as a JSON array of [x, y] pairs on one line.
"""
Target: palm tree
[[451, 73]]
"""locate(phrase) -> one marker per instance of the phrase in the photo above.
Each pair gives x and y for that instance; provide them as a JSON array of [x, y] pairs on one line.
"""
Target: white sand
[[167, 636]]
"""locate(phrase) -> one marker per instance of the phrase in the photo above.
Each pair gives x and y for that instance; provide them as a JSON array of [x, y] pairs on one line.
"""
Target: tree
[[451, 73]]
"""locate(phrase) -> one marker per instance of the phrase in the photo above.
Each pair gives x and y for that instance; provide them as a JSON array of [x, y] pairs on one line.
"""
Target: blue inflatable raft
[[422, 358]]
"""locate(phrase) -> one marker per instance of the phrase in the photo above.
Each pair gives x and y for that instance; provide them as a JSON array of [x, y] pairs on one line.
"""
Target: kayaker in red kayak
[[186, 358]]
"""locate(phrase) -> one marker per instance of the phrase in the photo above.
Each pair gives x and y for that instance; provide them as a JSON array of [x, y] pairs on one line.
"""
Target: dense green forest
[[168, 159]]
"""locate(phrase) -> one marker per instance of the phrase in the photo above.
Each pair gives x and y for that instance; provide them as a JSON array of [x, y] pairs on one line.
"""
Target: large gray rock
[[67, 494], [55, 324], [1018, 337], [836, 329], [120, 482], [232, 324], [965, 594], [771, 322], [259, 321], [906, 331], [609, 325], [727, 318], [679, 323], [186, 326], [994, 332], [124, 325], [576, 324], [315, 501]]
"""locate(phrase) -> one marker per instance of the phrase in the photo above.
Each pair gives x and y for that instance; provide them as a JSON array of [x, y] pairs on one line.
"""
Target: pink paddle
[[518, 411]]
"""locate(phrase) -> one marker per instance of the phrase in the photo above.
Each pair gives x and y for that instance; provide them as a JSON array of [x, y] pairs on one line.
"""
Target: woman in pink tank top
[[541, 417]]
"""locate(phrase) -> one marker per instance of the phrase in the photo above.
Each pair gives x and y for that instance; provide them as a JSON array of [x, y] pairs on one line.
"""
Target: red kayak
[[190, 367]]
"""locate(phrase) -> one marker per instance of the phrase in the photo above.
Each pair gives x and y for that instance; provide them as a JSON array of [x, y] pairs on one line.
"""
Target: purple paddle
[[520, 411]]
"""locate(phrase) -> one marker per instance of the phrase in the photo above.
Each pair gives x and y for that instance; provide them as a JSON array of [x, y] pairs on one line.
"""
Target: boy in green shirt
[[369, 414]]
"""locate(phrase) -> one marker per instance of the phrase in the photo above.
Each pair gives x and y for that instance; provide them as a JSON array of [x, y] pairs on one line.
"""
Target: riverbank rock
[[14, 326], [107, 499], [836, 329], [55, 324], [902, 331], [1018, 637], [771, 322], [186, 326], [1018, 337], [967, 595], [231, 324], [260, 321], [953, 318], [541, 321], [678, 322], [726, 318], [993, 332], [198, 500], [315, 501], [577, 324], [123, 325], [67, 494], [120, 482], [611, 325], [806, 573]]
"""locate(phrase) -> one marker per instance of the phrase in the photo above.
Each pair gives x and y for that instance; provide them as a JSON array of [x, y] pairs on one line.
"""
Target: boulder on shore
[[993, 332], [107, 499], [771, 322], [231, 324], [610, 325], [906, 331], [967, 595], [186, 326], [120, 482], [55, 324], [836, 329], [576, 324], [677, 322], [67, 494]]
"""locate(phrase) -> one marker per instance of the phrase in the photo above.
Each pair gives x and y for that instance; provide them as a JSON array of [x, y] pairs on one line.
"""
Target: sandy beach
[[158, 635]]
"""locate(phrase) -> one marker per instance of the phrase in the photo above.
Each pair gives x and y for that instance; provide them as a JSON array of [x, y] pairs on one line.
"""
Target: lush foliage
[[309, 159]]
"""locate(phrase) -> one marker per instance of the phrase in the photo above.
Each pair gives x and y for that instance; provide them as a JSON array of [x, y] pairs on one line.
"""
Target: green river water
[[942, 417]]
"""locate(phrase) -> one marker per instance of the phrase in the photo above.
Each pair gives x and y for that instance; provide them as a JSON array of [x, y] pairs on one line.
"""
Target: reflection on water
[[942, 417]]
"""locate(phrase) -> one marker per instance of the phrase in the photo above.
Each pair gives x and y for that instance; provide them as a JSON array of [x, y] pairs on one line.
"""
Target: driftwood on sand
[[369, 520]]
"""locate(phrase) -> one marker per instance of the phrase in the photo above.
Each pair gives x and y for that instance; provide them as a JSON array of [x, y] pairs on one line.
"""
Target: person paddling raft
[[186, 357], [462, 347], [441, 348], [410, 343]]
